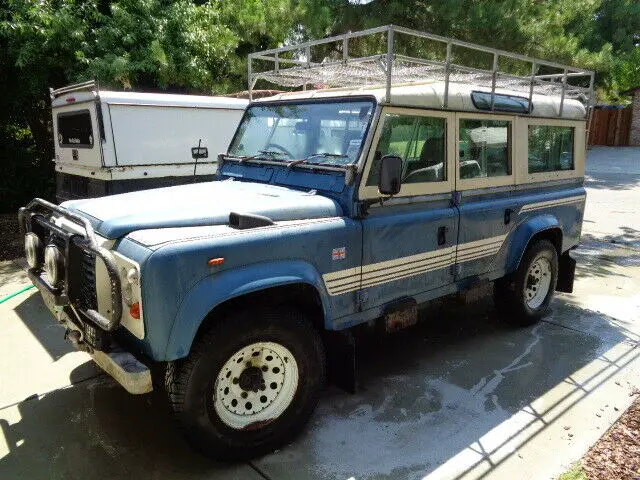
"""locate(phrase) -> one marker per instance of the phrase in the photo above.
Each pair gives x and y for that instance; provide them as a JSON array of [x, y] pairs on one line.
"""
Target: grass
[[576, 472]]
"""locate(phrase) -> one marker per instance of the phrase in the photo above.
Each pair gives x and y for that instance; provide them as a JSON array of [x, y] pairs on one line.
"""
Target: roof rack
[[292, 66], [90, 85]]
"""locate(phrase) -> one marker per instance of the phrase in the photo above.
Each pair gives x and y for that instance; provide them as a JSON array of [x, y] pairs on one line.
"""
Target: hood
[[198, 204]]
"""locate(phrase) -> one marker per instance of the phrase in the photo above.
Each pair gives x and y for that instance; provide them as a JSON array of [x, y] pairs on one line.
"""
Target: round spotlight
[[54, 265], [33, 250]]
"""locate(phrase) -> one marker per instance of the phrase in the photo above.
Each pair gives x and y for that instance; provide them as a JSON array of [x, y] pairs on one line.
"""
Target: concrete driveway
[[460, 396]]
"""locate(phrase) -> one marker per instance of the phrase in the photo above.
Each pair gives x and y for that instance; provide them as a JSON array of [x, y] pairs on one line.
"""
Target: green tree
[[597, 34]]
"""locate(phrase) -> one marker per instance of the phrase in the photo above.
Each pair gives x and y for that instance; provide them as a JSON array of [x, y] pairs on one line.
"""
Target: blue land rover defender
[[334, 208]]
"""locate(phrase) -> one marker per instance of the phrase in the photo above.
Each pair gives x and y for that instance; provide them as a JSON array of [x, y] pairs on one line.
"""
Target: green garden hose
[[15, 294]]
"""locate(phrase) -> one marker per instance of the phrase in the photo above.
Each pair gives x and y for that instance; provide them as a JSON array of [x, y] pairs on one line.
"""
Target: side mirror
[[199, 152], [389, 180]]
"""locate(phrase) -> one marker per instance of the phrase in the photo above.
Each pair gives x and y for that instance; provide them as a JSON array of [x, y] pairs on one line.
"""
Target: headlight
[[53, 265], [33, 250]]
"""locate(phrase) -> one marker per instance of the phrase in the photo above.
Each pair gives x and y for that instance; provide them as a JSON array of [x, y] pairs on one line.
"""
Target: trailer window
[[75, 129], [550, 148]]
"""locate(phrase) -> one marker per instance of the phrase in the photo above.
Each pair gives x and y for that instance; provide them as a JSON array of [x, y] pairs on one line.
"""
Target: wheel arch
[[541, 227], [294, 282]]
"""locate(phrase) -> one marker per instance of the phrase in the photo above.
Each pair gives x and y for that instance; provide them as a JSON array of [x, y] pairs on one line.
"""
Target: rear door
[[409, 241], [485, 191], [76, 134]]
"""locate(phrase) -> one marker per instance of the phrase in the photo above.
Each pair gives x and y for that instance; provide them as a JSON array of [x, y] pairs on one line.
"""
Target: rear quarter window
[[550, 148], [75, 129]]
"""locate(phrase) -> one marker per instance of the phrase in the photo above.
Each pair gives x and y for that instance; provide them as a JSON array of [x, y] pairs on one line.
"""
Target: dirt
[[616, 456], [11, 245]]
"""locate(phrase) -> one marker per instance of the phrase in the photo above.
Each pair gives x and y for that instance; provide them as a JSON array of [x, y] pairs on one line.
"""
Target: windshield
[[319, 133]]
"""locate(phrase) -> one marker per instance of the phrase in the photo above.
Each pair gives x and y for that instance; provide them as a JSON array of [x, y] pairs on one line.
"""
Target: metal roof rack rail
[[90, 85], [292, 66]]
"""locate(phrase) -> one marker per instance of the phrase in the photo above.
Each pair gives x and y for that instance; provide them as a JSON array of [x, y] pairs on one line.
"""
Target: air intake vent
[[243, 221]]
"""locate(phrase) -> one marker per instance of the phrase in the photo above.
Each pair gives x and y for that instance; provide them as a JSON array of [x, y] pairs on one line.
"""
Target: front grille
[[58, 241], [87, 291], [84, 292]]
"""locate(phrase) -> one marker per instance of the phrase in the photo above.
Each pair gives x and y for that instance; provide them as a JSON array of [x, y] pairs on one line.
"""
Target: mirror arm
[[366, 204]]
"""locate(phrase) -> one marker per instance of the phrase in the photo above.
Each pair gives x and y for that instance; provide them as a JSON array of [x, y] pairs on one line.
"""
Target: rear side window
[[485, 148], [75, 129], [550, 148]]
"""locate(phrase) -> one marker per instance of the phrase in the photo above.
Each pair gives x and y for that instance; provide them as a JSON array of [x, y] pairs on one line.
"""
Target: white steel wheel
[[537, 282], [256, 385]]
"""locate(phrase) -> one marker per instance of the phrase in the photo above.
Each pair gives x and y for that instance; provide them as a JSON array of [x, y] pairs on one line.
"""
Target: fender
[[522, 236], [215, 289]]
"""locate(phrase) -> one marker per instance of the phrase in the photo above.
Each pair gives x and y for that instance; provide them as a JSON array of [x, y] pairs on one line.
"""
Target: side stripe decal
[[351, 279], [552, 203], [348, 280]]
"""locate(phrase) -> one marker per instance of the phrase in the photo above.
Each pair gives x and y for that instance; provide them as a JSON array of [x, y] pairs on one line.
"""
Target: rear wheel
[[524, 296], [249, 384]]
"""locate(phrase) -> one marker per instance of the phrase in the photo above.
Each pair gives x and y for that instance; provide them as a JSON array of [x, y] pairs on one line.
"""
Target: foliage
[[201, 46], [576, 472]]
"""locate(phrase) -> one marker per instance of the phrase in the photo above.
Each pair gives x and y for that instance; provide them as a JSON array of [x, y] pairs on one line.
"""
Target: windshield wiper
[[261, 154], [326, 155], [316, 155]]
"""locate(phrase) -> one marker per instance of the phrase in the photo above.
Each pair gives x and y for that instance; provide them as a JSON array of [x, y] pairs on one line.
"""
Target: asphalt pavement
[[459, 396]]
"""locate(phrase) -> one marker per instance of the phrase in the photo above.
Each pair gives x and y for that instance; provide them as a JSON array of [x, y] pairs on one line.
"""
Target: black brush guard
[[33, 218]]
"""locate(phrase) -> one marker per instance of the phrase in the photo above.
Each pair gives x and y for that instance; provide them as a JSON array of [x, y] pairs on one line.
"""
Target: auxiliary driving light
[[33, 250], [53, 265]]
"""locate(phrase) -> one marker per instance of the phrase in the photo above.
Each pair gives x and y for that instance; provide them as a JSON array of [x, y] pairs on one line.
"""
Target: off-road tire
[[509, 291], [190, 382]]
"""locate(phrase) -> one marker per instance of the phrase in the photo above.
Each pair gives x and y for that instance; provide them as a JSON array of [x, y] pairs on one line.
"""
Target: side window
[[485, 148], [419, 141], [550, 148]]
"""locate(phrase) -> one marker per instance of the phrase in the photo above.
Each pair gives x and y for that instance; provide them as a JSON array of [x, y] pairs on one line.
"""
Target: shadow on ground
[[431, 392], [612, 181], [97, 430], [605, 256], [42, 324], [427, 394]]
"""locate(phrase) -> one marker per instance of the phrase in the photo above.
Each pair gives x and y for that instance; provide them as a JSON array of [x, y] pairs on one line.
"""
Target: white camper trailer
[[113, 142]]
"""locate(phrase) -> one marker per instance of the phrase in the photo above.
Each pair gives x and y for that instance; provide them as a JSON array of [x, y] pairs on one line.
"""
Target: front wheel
[[249, 384], [524, 296]]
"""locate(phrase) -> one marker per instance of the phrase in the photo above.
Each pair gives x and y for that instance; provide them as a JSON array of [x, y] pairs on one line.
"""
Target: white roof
[[431, 95], [158, 99]]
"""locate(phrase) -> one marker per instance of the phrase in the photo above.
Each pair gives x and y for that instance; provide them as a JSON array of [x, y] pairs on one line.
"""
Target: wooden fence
[[610, 126]]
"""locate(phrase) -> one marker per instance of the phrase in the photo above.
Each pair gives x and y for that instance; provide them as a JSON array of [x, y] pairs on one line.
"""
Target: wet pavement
[[460, 396]]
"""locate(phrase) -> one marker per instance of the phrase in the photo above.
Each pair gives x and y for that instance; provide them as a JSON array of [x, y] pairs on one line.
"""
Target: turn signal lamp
[[215, 261], [134, 310]]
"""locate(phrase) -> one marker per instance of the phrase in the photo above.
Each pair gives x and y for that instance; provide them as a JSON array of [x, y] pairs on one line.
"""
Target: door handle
[[507, 216], [442, 235]]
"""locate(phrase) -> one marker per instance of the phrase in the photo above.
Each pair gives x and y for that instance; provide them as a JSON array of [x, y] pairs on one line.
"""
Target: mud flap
[[341, 360], [566, 273]]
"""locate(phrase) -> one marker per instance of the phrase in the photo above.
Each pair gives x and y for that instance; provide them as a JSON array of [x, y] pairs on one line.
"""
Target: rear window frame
[[70, 114]]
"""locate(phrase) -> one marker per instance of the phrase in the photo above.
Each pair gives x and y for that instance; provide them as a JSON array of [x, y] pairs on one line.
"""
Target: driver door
[[409, 241]]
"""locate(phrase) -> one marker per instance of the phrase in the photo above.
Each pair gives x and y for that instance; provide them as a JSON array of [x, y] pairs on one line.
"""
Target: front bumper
[[125, 368]]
